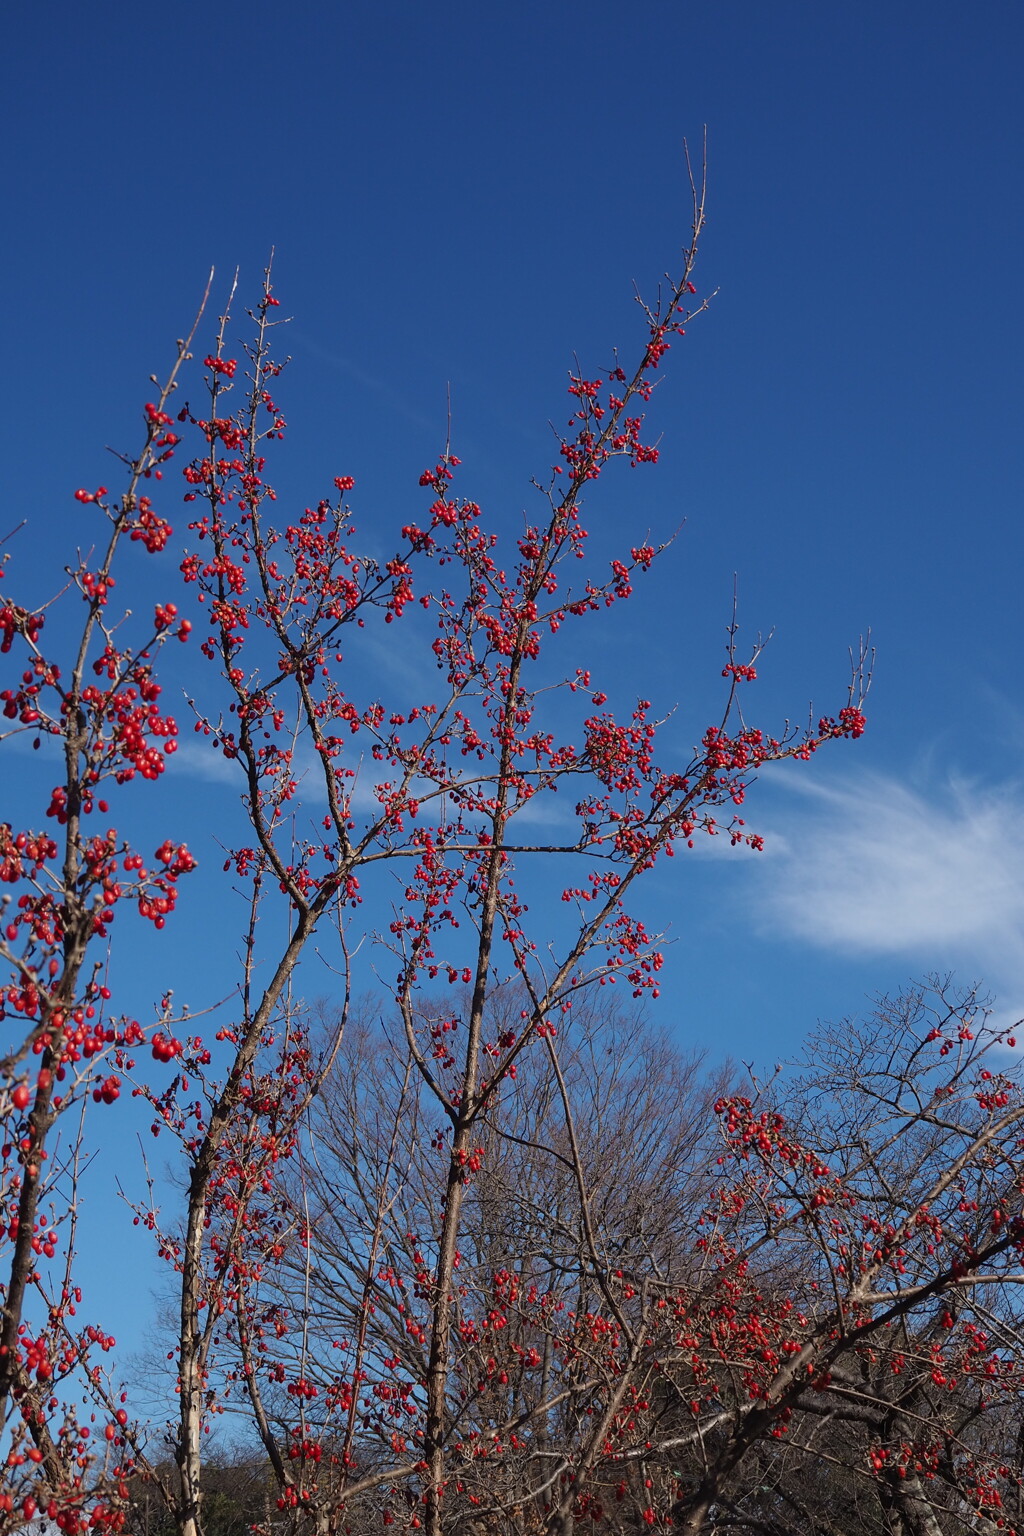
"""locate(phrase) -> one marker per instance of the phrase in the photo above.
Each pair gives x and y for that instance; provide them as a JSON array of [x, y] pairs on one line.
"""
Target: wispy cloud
[[872, 865], [396, 403], [198, 758]]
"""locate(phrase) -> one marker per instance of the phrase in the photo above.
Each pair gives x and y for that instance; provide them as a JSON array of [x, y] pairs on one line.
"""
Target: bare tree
[[680, 1302]]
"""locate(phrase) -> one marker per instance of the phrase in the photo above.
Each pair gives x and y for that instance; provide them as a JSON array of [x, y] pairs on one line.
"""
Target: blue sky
[[465, 193]]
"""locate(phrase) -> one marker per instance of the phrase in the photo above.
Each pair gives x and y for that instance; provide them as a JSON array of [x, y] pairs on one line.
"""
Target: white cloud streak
[[874, 866]]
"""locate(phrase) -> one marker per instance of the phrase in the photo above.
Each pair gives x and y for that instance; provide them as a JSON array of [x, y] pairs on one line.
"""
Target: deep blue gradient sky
[[465, 193]]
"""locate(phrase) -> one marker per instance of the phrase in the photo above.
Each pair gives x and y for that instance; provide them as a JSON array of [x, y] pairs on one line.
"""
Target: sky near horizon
[[463, 195]]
